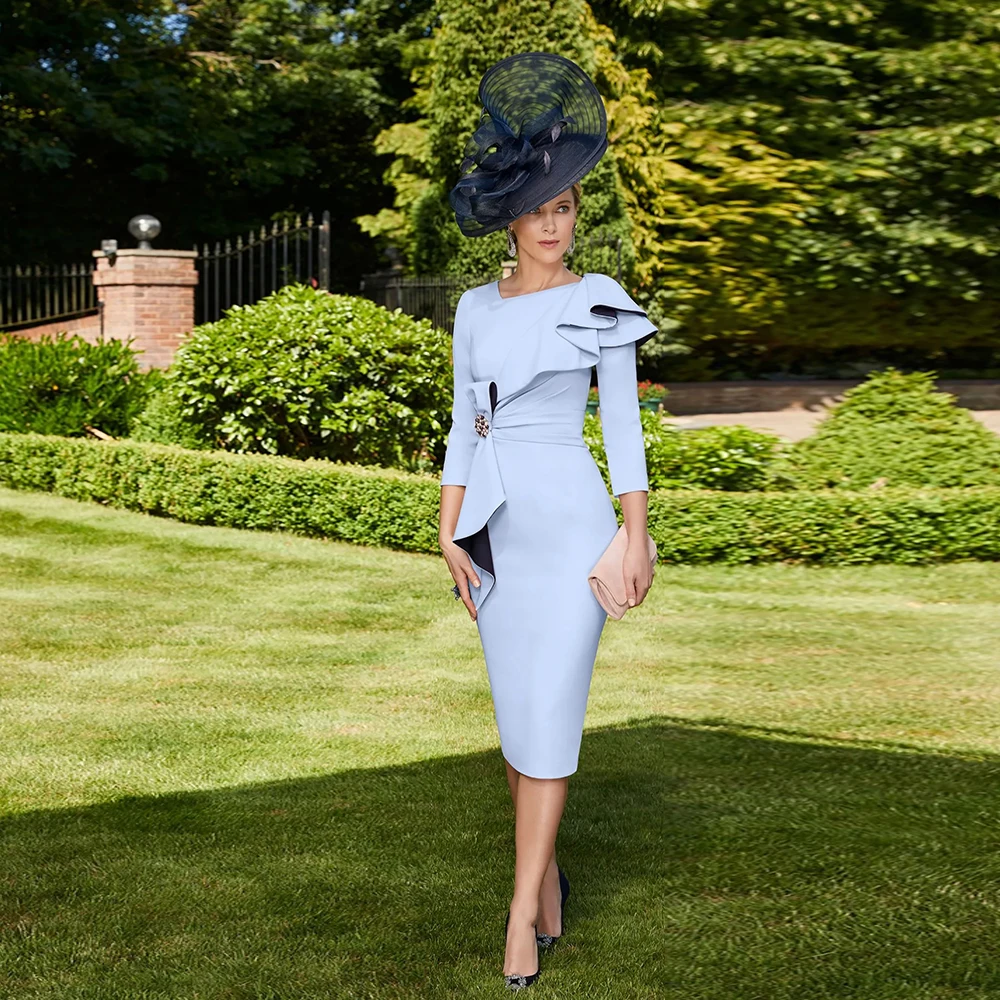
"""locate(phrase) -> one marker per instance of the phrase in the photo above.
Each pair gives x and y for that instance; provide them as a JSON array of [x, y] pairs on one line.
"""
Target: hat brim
[[570, 164], [522, 96]]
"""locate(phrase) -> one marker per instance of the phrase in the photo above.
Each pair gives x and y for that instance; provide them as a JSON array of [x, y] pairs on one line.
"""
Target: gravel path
[[793, 423]]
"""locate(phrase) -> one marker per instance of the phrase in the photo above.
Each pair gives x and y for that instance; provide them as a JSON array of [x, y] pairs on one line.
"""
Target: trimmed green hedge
[[400, 510], [309, 497]]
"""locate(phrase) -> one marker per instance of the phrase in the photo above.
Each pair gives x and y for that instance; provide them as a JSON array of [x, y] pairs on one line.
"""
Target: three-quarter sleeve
[[462, 437], [620, 424]]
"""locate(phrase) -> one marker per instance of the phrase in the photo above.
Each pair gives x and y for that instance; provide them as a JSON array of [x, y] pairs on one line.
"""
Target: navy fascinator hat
[[542, 128]]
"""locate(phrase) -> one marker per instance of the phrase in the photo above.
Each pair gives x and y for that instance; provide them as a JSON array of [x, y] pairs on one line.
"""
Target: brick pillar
[[147, 295]]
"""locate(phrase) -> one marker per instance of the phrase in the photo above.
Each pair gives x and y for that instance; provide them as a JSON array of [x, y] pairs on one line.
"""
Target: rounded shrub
[[895, 429], [164, 420], [66, 385], [306, 374], [733, 458]]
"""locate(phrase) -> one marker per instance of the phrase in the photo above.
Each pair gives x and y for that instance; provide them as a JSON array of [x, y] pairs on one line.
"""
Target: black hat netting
[[542, 128]]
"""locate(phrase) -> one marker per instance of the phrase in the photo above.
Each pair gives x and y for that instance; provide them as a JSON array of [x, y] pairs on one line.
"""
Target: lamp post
[[144, 228]]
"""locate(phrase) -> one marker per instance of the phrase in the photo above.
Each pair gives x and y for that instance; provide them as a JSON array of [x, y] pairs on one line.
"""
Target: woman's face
[[545, 233]]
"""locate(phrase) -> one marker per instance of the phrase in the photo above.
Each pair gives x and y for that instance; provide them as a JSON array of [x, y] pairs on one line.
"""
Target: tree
[[427, 149], [215, 115], [810, 185]]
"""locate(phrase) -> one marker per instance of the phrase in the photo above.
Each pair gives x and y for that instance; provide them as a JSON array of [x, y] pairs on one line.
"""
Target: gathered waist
[[556, 430]]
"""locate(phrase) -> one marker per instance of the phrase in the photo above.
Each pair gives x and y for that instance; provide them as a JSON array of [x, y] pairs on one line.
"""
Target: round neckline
[[537, 291]]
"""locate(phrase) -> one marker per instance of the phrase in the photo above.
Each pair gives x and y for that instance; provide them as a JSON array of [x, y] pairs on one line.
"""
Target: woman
[[525, 513]]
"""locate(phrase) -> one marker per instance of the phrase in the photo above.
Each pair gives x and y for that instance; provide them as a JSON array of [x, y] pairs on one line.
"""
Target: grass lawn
[[246, 765]]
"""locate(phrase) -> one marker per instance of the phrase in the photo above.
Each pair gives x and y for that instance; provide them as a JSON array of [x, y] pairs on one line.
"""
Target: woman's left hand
[[636, 570]]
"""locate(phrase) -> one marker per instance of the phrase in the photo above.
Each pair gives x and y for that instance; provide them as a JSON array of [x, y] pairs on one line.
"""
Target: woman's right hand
[[462, 572]]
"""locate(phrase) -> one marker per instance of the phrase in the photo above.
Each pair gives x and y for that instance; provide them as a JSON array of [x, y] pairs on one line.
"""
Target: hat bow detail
[[505, 160]]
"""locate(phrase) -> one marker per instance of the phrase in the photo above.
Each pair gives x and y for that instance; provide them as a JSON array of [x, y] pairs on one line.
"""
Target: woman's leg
[[550, 896], [538, 811]]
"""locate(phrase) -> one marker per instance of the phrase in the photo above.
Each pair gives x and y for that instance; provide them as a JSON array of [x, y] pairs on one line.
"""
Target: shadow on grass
[[704, 863]]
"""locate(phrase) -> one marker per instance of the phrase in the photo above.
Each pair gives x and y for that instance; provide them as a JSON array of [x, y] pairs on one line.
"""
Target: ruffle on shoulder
[[600, 313], [596, 312]]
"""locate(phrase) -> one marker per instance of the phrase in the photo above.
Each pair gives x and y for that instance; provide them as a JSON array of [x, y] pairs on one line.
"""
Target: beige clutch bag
[[607, 578]]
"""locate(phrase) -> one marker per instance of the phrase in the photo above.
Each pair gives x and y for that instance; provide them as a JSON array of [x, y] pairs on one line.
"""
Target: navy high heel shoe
[[513, 980], [547, 940]]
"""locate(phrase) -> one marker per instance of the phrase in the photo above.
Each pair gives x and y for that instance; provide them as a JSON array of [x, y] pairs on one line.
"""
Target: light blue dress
[[536, 514]]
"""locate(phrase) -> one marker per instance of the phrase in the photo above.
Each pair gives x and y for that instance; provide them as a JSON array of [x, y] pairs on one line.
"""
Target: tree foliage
[[427, 148], [214, 115], [804, 185], [798, 185], [807, 181]]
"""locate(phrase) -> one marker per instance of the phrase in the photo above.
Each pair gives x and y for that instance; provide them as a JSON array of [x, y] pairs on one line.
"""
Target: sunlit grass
[[243, 765]]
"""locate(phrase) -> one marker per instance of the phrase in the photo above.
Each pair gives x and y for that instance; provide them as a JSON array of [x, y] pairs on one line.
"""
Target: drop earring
[[511, 245], [572, 240]]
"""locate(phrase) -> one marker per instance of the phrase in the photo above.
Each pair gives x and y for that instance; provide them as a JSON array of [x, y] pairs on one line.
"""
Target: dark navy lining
[[478, 544]]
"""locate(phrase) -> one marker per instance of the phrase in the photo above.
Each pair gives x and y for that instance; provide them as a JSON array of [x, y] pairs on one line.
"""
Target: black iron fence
[[240, 272], [36, 293], [434, 297], [423, 297]]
